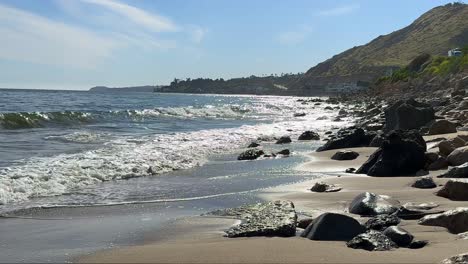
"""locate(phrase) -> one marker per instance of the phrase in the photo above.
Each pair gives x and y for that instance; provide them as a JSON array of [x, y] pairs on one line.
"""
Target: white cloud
[[295, 36], [338, 11], [196, 33]]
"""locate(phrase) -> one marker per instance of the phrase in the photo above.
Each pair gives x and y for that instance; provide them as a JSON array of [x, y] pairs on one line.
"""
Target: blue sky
[[77, 44]]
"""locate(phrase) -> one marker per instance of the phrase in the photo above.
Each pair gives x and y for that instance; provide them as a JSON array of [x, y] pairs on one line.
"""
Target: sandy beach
[[200, 239]]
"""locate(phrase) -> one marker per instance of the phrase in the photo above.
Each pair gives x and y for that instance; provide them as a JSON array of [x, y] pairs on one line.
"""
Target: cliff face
[[435, 32]]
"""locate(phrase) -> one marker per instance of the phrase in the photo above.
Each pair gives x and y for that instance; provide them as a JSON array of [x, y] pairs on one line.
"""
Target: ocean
[[79, 148]]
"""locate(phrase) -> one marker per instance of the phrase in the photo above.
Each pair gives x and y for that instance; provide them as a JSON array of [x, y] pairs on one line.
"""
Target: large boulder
[[309, 135], [372, 241], [400, 236], [456, 190], [348, 138], [424, 183], [345, 155], [439, 164], [284, 140], [458, 156], [456, 172], [448, 146], [381, 222], [442, 127], [408, 114], [456, 221], [457, 259], [333, 227], [251, 154], [402, 153], [373, 204]]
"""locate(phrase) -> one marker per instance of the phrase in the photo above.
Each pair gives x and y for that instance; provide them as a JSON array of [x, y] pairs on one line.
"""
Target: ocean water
[[70, 148]]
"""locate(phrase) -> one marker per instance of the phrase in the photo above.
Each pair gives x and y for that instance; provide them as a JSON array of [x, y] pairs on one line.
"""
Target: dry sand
[[202, 242]]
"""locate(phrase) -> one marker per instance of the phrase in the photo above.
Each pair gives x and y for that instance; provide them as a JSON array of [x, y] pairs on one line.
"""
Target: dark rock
[[377, 141], [373, 204], [309, 135], [442, 127], [439, 164], [324, 187], [333, 227], [458, 156], [328, 132], [285, 152], [417, 244], [322, 118], [253, 145], [400, 236], [408, 114], [411, 213], [424, 183], [284, 140], [458, 259], [381, 222], [456, 172], [251, 154], [345, 155], [328, 108], [372, 241], [348, 138], [456, 221], [350, 170], [304, 222], [299, 114], [402, 153], [456, 190], [448, 146]]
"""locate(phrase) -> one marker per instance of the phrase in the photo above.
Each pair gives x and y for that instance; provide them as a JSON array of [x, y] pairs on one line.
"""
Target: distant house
[[455, 52]]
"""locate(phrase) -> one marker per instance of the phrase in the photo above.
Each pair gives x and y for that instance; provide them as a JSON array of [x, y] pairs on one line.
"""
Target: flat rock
[[458, 259], [345, 155], [458, 156], [442, 127], [325, 187], [456, 221], [456, 172], [420, 206], [373, 204], [381, 222], [309, 135], [372, 241], [456, 190], [333, 227], [424, 183], [411, 213], [251, 154], [400, 236]]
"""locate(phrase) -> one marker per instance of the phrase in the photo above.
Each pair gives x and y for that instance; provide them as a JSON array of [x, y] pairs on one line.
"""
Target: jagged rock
[[253, 145], [400, 236], [458, 259], [456, 190], [458, 156], [284, 140], [309, 135], [448, 146], [372, 241], [285, 152], [456, 172], [333, 227], [402, 153], [324, 187], [442, 127], [456, 221], [373, 204], [251, 154], [348, 138], [417, 244], [408, 114], [345, 155], [276, 218], [381, 222], [424, 183]]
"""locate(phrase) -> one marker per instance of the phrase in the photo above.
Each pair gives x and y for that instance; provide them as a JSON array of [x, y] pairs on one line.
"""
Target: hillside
[[147, 88], [435, 32]]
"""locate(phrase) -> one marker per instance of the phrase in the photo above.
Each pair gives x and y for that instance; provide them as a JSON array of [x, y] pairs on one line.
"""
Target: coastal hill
[[435, 32], [146, 88]]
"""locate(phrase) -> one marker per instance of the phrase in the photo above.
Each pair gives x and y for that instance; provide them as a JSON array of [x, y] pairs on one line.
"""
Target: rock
[[304, 222], [276, 218], [401, 154], [458, 259], [442, 127], [381, 222], [285, 152], [458, 92], [322, 118], [348, 138], [456, 221], [456, 190], [345, 155], [448, 146], [373, 204], [400, 236], [324, 187], [408, 114], [284, 140], [350, 170], [342, 112], [251, 154], [417, 244], [253, 145], [421, 206], [456, 172], [299, 114], [309, 135], [374, 127], [412, 213], [424, 183], [372, 241], [333, 227], [431, 156], [463, 235], [328, 108], [439, 164], [377, 141], [458, 156]]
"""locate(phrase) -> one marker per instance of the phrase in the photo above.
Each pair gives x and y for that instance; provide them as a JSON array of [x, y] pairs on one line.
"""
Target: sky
[[78, 44]]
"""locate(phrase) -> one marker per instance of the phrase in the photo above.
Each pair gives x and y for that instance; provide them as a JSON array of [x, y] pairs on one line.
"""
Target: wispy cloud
[[295, 36], [197, 33], [338, 11]]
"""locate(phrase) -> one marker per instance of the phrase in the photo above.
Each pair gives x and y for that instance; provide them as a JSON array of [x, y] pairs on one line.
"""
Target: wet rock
[[463, 235], [373, 204], [284, 152], [408, 114], [448, 146], [253, 145], [421, 206], [442, 127], [424, 183], [456, 221], [372, 241], [276, 218], [350, 170], [456, 190], [458, 156], [333, 227], [348, 138], [456, 172], [413, 213], [304, 222], [345, 155], [381, 222], [458, 259], [417, 244], [284, 140], [299, 114], [251, 154], [324, 187], [402, 153], [400, 236], [309, 135]]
